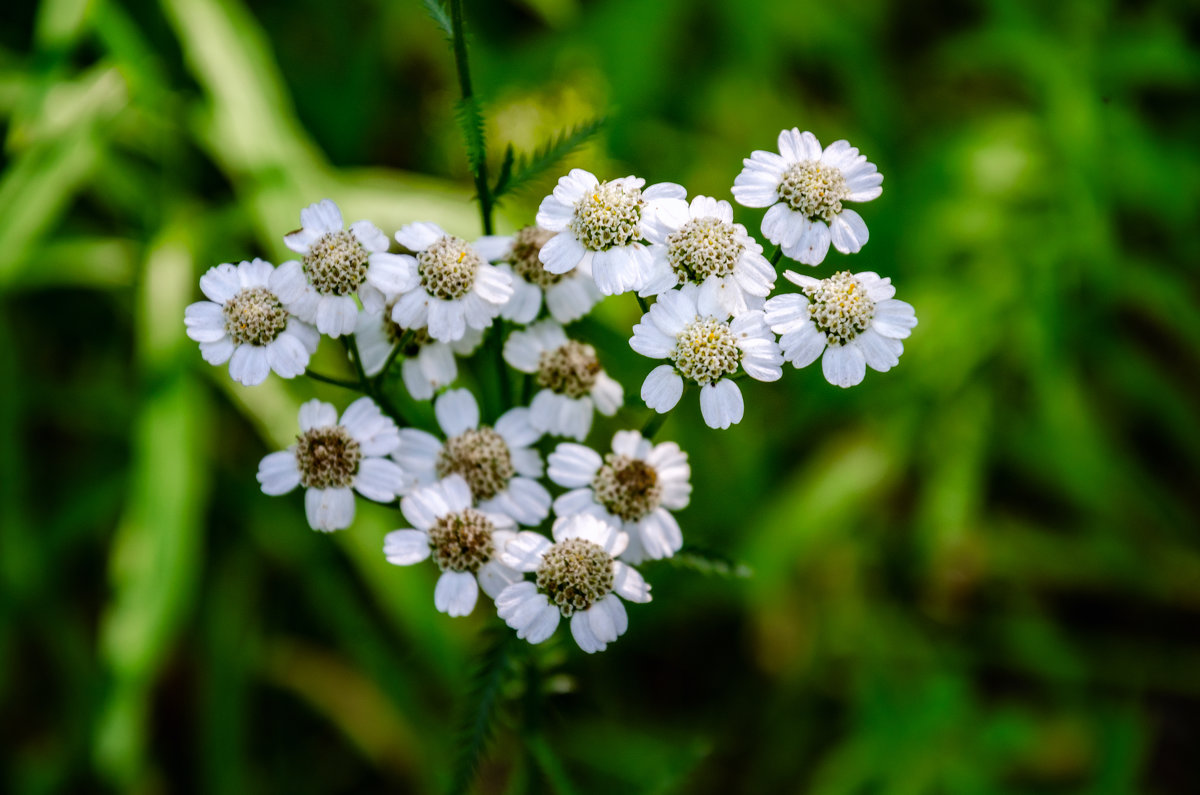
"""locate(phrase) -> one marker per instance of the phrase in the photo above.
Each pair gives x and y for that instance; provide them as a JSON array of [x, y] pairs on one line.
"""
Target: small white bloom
[[573, 383], [337, 264], [804, 187], [602, 224], [576, 577], [464, 543], [704, 246], [498, 463], [244, 322], [569, 296], [455, 288], [851, 318], [689, 327], [633, 488], [330, 458], [426, 365]]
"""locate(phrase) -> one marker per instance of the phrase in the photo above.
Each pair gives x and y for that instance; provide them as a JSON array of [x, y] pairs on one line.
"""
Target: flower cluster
[[516, 503]]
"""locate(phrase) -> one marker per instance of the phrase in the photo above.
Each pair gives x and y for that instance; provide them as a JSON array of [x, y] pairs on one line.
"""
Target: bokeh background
[[978, 573]]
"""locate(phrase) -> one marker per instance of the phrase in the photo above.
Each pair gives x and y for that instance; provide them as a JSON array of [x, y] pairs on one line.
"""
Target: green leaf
[[707, 562], [506, 168], [483, 708], [470, 121], [529, 167], [437, 12]]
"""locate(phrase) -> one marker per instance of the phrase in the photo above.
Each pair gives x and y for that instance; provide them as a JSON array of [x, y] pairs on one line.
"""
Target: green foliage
[[483, 702], [517, 172]]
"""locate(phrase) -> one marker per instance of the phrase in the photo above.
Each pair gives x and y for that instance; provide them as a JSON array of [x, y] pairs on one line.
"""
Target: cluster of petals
[[805, 238], [843, 362], [741, 290], [456, 591], [370, 473], [558, 413], [426, 366], [529, 611], [567, 298], [333, 313], [654, 534], [521, 497], [623, 266], [669, 331], [287, 344]]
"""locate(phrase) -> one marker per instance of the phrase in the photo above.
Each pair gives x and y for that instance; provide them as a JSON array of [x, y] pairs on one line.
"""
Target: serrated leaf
[[482, 710], [470, 122], [437, 12], [529, 167], [710, 563], [506, 168]]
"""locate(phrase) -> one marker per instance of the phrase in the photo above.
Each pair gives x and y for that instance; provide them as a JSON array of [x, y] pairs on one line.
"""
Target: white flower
[[602, 224], [703, 245], [569, 296], [498, 463], [463, 541], [426, 364], [576, 577], [805, 187], [632, 488], [331, 458], [337, 264], [689, 327], [572, 381], [851, 318], [455, 288], [244, 322]]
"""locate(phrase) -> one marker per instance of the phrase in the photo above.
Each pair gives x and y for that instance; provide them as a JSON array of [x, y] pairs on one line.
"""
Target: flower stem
[[464, 81], [778, 255], [405, 340], [642, 303], [325, 379], [653, 423]]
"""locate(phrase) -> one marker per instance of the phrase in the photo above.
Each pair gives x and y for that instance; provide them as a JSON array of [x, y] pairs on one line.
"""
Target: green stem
[[464, 82], [654, 422], [325, 379], [778, 255], [405, 340], [642, 303], [352, 348]]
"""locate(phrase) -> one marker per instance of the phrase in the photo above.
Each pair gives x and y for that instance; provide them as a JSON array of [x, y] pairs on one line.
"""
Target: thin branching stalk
[[326, 379], [476, 149]]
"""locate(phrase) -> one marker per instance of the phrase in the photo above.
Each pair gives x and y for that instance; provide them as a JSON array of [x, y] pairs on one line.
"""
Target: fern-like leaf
[[437, 12], [710, 563], [529, 167], [482, 708], [470, 122]]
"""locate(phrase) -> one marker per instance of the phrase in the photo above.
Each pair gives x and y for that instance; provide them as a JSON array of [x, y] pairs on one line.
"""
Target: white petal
[[561, 253], [660, 534], [447, 319], [406, 547], [336, 315], [419, 236], [522, 350], [287, 356], [392, 274], [495, 577], [516, 429], [662, 388], [787, 312], [843, 365], [524, 552], [848, 232], [329, 509], [456, 593], [217, 352], [608, 619], [278, 473], [205, 321], [881, 353], [456, 493], [628, 583], [803, 345], [649, 340], [572, 298], [369, 236], [249, 365], [221, 283], [493, 247], [607, 394], [417, 453], [894, 318], [380, 479], [317, 414], [581, 630], [631, 444], [323, 217], [812, 245], [456, 411], [798, 147], [573, 465], [423, 506], [721, 404]]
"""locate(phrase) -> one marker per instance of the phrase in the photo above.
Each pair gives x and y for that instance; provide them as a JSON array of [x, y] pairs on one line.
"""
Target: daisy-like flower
[[464, 543], [497, 463], [455, 288], [427, 365], [804, 187], [569, 296], [851, 318], [633, 488], [337, 264], [576, 577], [244, 322], [705, 246], [691, 329], [331, 458], [572, 382], [602, 224]]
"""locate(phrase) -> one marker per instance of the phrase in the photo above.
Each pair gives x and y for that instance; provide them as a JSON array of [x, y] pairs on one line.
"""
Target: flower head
[[689, 327], [577, 576], [569, 296], [455, 288], [804, 187], [851, 318], [330, 458], [463, 541], [337, 264], [573, 384], [245, 323], [634, 488], [427, 366], [498, 462], [704, 246], [602, 224]]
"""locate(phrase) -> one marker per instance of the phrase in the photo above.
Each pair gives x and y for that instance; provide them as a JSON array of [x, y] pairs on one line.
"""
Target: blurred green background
[[979, 573]]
